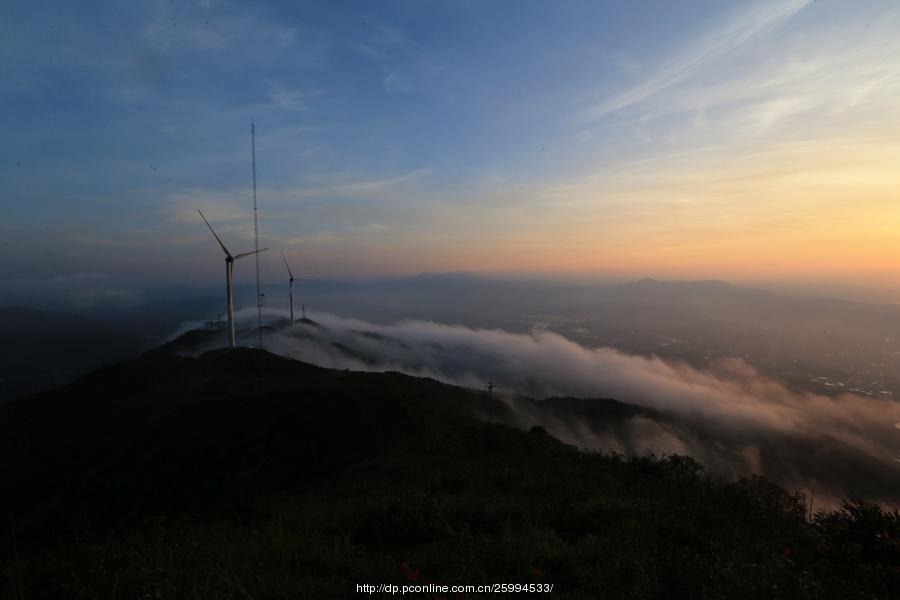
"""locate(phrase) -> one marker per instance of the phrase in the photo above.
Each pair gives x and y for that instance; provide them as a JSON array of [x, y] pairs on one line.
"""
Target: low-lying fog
[[728, 415]]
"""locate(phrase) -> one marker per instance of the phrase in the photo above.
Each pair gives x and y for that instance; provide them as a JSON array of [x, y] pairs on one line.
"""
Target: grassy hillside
[[245, 475]]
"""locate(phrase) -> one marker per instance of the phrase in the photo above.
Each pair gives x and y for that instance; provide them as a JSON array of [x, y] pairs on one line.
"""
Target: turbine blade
[[227, 253], [243, 254], [286, 264]]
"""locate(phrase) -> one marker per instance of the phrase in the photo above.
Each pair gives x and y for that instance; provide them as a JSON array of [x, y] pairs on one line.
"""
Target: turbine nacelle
[[290, 286]]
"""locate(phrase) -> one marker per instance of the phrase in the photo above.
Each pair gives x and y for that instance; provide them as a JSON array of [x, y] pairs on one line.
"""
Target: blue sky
[[658, 138]]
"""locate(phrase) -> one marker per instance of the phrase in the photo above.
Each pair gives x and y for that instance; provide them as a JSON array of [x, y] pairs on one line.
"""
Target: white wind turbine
[[290, 286], [229, 271]]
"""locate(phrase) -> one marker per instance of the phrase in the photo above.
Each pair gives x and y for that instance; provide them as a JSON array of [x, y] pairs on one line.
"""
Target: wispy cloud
[[348, 185], [290, 99], [333, 208], [395, 83], [131, 239], [739, 30], [206, 27], [227, 210]]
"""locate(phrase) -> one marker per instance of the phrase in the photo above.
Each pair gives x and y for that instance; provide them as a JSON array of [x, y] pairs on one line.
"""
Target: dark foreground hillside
[[245, 475]]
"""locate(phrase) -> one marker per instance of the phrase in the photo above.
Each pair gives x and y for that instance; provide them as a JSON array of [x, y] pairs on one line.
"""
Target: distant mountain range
[[43, 349], [827, 345]]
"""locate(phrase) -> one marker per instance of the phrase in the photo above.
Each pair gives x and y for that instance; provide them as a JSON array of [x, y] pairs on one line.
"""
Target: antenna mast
[[256, 234]]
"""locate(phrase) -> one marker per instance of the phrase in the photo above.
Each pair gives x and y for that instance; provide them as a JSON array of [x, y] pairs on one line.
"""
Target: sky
[[733, 140]]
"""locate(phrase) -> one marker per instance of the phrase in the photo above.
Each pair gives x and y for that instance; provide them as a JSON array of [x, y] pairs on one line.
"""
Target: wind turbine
[[290, 286], [229, 271]]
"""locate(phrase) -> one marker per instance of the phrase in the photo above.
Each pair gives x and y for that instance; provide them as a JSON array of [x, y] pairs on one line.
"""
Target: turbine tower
[[229, 272], [290, 286]]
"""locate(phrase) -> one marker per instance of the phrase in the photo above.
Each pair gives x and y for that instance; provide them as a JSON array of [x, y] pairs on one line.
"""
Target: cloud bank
[[730, 416]]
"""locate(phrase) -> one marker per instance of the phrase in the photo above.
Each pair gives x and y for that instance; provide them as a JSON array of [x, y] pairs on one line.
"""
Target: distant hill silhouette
[[244, 474], [42, 349]]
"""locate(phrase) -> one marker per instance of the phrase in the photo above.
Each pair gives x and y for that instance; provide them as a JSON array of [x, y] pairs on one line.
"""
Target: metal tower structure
[[256, 234]]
